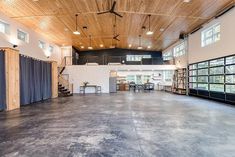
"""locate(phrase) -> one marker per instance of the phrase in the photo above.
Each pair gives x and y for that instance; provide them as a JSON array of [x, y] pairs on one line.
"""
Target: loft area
[[116, 55], [91, 78]]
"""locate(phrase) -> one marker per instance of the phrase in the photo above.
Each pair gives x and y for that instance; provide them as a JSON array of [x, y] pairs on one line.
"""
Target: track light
[[76, 32], [139, 47], [149, 31], [90, 47]]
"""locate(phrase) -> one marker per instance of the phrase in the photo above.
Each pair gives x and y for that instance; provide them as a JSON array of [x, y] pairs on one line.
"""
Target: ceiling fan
[[112, 10], [116, 37]]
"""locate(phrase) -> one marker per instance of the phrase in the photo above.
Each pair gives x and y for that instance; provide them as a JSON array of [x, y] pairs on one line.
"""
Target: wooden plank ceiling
[[55, 20]]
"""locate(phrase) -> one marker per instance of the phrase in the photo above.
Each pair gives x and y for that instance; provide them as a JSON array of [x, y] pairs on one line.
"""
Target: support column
[[12, 79], [54, 76]]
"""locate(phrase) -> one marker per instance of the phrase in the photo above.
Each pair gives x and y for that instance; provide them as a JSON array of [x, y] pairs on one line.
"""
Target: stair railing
[[63, 79]]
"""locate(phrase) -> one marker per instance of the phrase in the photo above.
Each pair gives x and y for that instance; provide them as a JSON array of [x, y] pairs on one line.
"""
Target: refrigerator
[[112, 84]]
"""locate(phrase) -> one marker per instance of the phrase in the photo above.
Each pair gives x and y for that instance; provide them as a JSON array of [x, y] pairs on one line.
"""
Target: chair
[[132, 86], [148, 86], [98, 89], [82, 89]]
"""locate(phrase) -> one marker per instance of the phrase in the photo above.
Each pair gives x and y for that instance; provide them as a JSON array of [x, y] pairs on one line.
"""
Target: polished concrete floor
[[123, 125]]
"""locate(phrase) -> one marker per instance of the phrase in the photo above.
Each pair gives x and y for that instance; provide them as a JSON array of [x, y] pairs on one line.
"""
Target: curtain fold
[[2, 81], [35, 80]]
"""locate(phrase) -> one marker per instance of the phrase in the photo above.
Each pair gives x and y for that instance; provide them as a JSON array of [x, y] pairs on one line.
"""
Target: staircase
[[65, 89]]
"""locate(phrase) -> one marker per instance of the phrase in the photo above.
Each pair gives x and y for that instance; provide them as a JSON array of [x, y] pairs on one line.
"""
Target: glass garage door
[[213, 79]]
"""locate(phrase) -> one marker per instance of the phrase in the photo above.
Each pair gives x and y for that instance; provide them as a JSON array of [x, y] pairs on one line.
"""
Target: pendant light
[[76, 32], [139, 47], [149, 31], [90, 47]]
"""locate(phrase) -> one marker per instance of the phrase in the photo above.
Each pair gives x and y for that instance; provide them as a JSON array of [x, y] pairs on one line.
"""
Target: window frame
[[212, 37], [40, 42], [6, 27], [215, 82], [179, 50], [167, 56], [136, 58], [24, 32], [51, 48]]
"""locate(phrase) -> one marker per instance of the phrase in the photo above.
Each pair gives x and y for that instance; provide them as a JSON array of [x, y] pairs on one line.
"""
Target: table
[[83, 88]]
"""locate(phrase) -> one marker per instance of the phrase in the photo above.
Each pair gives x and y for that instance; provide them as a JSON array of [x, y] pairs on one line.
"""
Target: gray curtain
[[35, 80], [2, 81]]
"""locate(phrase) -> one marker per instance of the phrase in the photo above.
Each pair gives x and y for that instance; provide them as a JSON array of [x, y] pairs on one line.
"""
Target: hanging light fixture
[[90, 47], [76, 32], [139, 47], [149, 31]]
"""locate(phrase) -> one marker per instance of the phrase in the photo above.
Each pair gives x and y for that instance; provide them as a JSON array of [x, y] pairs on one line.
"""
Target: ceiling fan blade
[[117, 39], [117, 14], [113, 7], [104, 12], [116, 36]]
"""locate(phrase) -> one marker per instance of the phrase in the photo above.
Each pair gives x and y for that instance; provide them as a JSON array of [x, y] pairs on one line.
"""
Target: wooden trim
[[12, 79], [54, 77]]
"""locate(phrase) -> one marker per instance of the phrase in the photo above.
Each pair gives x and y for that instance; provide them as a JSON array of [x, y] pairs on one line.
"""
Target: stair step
[[64, 90], [61, 88], [65, 95]]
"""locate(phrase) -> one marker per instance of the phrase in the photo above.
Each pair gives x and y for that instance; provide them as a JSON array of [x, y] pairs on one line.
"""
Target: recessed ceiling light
[[101, 45], [90, 48], [76, 33], [66, 29], [149, 47], [187, 1], [82, 47], [149, 33], [162, 29], [130, 45], [140, 48]]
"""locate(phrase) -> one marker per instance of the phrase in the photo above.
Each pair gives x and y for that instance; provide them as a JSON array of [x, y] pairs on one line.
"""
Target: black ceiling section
[[103, 57]]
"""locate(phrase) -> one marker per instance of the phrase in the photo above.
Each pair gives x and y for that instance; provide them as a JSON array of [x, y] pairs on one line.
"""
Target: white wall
[[99, 75], [181, 61], [31, 48], [224, 47]]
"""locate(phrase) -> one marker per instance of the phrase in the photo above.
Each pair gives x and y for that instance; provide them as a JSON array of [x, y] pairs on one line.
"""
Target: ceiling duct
[[224, 11], [196, 29]]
